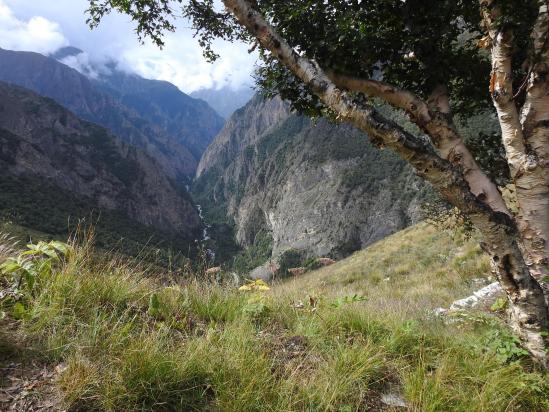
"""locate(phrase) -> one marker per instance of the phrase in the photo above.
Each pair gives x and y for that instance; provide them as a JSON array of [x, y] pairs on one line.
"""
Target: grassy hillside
[[414, 271], [339, 339]]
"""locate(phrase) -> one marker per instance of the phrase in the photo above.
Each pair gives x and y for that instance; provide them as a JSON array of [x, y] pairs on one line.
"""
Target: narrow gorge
[[274, 177]]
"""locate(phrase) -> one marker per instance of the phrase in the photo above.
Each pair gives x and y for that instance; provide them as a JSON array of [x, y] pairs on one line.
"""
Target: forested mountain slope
[[57, 168]]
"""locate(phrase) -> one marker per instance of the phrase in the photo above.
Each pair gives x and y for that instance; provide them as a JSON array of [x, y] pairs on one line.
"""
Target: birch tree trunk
[[530, 312], [525, 137], [533, 184]]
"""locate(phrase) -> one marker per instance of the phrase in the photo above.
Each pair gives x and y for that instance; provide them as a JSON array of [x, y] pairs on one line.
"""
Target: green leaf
[[154, 309], [10, 266], [61, 247], [18, 311]]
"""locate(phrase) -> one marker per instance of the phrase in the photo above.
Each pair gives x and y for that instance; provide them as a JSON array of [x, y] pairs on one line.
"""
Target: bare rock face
[[317, 187], [243, 129], [263, 272], [42, 142]]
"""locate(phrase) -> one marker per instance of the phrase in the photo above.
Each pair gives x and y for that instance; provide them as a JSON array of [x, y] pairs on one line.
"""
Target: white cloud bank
[[44, 26], [36, 34]]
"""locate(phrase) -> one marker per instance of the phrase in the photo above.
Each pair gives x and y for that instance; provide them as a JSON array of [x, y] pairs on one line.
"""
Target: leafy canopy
[[413, 44]]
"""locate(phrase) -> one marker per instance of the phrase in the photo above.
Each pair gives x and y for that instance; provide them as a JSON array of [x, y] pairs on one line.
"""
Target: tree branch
[[396, 97], [501, 86], [433, 119], [439, 101]]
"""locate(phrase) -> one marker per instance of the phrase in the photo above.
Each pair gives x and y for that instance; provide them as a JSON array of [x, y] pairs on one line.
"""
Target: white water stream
[[205, 235]]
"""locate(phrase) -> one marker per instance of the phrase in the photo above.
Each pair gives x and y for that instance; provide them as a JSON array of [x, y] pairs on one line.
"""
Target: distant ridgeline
[[149, 114], [279, 181], [225, 100], [127, 177]]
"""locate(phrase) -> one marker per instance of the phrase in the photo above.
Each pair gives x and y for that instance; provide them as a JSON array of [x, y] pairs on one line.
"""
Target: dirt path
[[29, 387], [27, 384]]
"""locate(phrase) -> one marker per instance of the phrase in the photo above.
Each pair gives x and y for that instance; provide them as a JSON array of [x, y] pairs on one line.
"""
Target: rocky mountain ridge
[[120, 111], [191, 122], [317, 187]]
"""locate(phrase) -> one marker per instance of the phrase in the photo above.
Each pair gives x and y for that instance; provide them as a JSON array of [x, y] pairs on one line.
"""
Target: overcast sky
[[45, 25]]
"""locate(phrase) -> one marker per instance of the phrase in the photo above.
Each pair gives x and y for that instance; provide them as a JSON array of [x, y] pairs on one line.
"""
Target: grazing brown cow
[[326, 261], [296, 271]]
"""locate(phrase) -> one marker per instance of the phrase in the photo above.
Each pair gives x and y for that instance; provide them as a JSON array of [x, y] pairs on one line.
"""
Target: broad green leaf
[[10, 266], [61, 247], [19, 311]]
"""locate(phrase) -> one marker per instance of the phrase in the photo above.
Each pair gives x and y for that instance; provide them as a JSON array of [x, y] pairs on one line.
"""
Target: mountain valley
[[294, 206], [260, 194], [319, 188]]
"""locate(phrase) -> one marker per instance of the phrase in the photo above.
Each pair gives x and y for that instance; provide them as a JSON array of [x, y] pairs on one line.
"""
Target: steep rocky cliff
[[55, 166], [243, 129], [317, 187], [88, 100]]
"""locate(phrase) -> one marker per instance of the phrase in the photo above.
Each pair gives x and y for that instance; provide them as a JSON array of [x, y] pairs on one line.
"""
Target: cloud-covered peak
[[64, 52], [46, 26]]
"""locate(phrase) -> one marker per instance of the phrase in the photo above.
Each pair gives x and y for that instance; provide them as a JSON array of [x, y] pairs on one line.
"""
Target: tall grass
[[133, 344], [8, 246]]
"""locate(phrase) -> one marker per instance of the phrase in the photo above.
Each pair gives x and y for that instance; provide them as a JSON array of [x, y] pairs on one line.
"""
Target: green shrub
[[256, 254]]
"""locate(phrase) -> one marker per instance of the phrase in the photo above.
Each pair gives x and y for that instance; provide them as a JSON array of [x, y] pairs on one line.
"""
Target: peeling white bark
[[533, 184], [526, 138]]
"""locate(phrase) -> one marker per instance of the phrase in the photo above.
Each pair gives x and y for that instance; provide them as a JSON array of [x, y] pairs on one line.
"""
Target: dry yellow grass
[[418, 268]]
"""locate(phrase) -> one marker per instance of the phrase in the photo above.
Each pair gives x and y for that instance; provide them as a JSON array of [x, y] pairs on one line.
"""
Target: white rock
[[392, 399], [486, 292]]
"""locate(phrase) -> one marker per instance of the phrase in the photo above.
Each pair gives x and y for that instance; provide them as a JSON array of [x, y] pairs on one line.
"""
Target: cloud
[[182, 63], [84, 64], [35, 34], [179, 62]]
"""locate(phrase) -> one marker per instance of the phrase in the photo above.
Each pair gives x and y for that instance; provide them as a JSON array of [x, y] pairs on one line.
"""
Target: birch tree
[[433, 60]]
